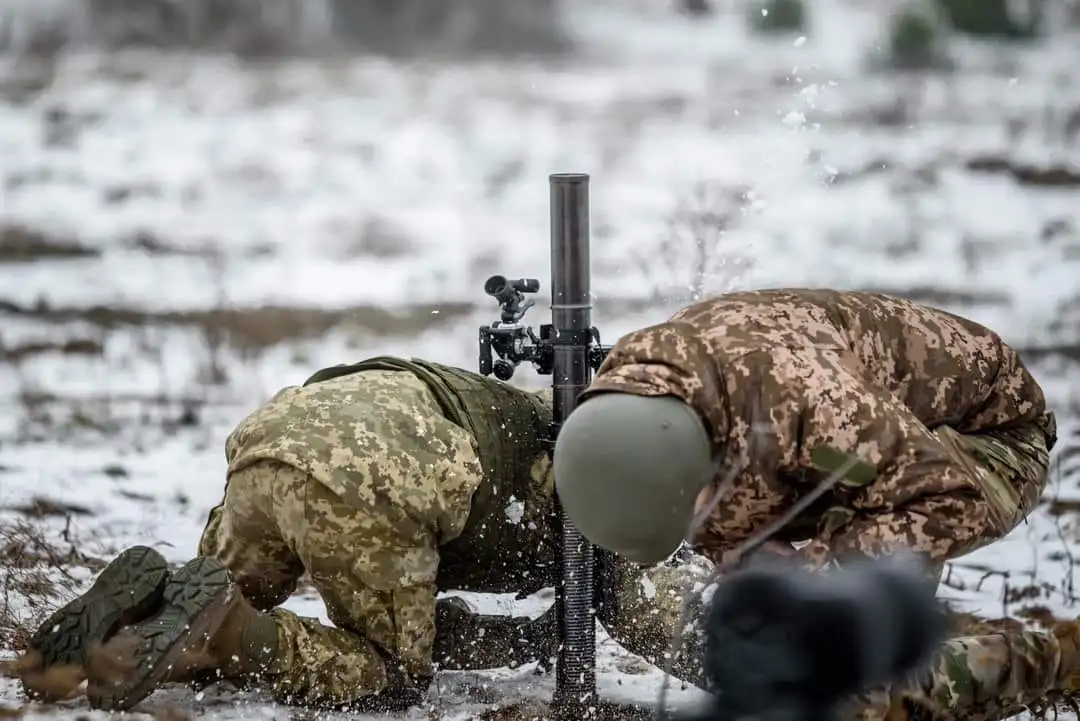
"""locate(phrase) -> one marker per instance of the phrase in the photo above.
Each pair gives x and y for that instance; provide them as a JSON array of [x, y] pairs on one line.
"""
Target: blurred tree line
[[917, 30], [276, 27], [916, 36]]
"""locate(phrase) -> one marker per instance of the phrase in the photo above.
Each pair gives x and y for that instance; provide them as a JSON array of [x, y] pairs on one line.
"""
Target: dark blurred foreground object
[[783, 644]]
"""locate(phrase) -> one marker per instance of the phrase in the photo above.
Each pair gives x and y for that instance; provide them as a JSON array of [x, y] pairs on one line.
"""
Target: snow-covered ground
[[218, 231]]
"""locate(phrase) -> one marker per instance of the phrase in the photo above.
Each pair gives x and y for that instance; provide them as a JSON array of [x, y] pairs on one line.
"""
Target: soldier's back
[[376, 438], [945, 368]]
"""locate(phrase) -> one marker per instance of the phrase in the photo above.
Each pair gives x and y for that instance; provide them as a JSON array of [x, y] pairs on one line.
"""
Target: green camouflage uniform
[[388, 482], [951, 432]]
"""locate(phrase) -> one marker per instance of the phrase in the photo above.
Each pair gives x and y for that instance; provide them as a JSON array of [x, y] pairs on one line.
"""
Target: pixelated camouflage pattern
[[988, 677], [375, 574], [276, 521], [360, 480], [508, 514], [379, 441], [780, 375]]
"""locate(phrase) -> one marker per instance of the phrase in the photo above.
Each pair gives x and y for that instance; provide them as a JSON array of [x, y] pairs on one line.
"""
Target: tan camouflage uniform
[[362, 481], [951, 434]]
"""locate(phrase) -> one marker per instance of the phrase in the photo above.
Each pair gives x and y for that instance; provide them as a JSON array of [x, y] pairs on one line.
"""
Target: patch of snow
[[515, 510], [204, 184]]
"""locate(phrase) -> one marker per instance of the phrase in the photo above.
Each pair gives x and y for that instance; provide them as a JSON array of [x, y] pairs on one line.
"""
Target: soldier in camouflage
[[938, 433], [387, 482]]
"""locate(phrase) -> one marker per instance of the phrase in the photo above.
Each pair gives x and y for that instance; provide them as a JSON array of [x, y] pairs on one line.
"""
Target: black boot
[[128, 590], [204, 625]]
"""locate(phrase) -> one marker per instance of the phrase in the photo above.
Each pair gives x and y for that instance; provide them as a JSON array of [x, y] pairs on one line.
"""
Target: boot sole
[[197, 599], [128, 590]]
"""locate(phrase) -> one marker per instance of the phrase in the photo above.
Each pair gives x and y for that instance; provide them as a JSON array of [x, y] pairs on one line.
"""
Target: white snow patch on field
[[201, 184]]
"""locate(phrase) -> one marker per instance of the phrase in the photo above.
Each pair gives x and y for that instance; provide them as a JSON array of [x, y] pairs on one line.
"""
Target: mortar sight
[[502, 289], [511, 296]]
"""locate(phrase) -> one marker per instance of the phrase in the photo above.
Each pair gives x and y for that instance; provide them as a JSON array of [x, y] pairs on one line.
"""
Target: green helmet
[[628, 470]]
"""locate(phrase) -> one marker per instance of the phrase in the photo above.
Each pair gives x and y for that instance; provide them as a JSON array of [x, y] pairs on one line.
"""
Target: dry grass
[[42, 507], [34, 574], [255, 329], [71, 347], [19, 244], [1059, 176], [696, 255]]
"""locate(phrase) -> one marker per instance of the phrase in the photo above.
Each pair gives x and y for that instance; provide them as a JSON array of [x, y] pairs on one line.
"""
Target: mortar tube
[[571, 315]]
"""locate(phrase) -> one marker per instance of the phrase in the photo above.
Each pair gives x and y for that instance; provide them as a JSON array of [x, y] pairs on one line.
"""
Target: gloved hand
[[787, 644]]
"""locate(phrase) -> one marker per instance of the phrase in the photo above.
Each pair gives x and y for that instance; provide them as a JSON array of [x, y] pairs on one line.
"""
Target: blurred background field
[[204, 200]]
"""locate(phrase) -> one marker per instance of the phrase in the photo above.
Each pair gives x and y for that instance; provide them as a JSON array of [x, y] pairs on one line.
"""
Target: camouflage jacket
[[779, 375], [472, 481]]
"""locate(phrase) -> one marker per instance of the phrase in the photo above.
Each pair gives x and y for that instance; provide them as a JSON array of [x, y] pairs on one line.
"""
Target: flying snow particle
[[810, 94], [794, 119], [648, 588], [515, 510]]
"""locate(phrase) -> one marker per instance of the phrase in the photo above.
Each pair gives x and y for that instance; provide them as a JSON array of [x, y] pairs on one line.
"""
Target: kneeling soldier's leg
[[243, 532], [206, 628], [982, 678], [375, 569]]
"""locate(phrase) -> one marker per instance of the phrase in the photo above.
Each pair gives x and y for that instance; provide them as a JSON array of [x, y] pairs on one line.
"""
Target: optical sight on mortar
[[508, 342]]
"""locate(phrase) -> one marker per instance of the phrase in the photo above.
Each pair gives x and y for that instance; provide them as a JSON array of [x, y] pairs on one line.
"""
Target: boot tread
[[126, 591], [186, 620]]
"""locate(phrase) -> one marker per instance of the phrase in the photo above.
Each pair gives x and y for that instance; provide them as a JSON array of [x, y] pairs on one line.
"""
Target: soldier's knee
[[208, 542]]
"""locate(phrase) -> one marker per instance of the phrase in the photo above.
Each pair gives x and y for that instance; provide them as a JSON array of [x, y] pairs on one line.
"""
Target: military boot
[[203, 627], [127, 591]]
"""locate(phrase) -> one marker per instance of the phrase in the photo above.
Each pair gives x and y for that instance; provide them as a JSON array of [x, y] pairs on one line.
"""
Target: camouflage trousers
[[982, 677], [987, 677], [974, 678], [991, 676], [276, 523]]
